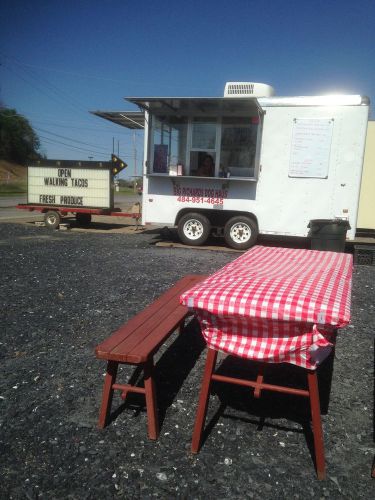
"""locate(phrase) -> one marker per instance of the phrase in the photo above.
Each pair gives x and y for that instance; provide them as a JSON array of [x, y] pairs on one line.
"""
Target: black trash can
[[328, 234]]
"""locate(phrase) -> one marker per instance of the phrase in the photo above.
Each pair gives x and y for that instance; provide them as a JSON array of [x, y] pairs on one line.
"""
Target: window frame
[[189, 149]]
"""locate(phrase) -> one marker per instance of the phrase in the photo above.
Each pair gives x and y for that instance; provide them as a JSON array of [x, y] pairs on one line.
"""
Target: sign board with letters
[[69, 185]]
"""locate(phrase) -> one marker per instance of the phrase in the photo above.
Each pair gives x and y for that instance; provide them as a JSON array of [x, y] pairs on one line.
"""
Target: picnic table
[[273, 305]]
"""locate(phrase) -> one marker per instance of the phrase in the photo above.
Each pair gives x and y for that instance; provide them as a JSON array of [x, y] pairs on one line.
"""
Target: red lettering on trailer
[[200, 195]]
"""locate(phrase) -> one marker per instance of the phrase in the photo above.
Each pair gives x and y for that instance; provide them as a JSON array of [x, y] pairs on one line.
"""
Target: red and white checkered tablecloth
[[275, 304]]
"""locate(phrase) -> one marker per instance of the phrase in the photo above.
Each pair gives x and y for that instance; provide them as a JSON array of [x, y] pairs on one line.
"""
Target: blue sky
[[60, 59]]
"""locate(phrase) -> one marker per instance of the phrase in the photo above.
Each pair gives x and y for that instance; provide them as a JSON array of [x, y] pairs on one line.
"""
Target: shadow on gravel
[[100, 226], [170, 234], [93, 226], [271, 405], [171, 370], [175, 365]]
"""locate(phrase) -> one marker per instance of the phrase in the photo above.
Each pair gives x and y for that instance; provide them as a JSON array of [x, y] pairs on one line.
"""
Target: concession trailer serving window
[[184, 131]]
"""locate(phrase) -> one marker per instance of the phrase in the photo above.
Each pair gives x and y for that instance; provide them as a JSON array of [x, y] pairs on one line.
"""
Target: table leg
[[259, 381], [203, 400], [316, 424]]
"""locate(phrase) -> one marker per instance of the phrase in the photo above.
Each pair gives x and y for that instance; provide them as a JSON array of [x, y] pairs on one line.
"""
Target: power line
[[32, 84], [53, 92], [60, 94], [64, 126], [47, 85], [67, 138], [53, 88], [92, 77], [93, 129], [54, 141], [69, 125], [57, 95]]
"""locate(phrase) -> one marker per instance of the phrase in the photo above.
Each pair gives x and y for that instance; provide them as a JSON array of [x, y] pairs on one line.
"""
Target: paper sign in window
[[160, 158], [311, 148]]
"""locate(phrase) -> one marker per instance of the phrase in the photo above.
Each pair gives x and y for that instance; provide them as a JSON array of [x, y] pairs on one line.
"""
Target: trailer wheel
[[193, 229], [83, 219], [52, 219], [240, 232]]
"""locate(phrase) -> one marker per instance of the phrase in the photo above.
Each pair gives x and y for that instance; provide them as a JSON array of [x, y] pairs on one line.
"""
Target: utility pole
[[135, 161]]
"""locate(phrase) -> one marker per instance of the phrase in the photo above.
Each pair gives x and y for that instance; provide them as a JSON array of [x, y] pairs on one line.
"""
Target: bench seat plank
[[121, 343], [166, 317], [135, 343], [161, 332], [140, 345]]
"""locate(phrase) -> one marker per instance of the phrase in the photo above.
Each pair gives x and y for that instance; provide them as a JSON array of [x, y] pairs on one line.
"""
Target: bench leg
[[109, 380], [203, 400], [152, 417], [316, 424]]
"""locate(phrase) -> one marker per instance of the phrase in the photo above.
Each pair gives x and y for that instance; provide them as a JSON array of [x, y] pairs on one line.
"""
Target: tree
[[18, 141]]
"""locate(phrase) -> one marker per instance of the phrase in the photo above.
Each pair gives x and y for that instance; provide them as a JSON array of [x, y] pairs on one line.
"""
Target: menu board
[[82, 187], [311, 147]]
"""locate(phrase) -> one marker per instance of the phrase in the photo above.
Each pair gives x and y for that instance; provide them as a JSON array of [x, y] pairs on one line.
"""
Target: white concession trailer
[[278, 162]]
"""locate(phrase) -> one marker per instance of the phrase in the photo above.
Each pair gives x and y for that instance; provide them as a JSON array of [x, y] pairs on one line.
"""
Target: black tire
[[83, 219], [241, 232], [52, 219], [193, 229]]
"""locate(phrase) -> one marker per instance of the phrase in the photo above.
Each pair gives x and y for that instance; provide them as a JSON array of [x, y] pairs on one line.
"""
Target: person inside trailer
[[206, 167]]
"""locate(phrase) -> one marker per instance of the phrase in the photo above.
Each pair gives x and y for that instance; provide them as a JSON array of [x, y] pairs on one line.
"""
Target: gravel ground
[[61, 293]]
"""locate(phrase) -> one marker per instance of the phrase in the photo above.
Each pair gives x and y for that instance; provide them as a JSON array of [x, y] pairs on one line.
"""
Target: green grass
[[7, 189], [125, 190]]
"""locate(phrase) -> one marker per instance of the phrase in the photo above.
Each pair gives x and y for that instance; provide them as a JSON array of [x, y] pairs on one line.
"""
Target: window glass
[[238, 147], [234, 155], [169, 144], [204, 133], [202, 163]]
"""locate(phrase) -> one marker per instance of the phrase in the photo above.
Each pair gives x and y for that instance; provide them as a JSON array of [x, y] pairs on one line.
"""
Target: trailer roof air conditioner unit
[[248, 89]]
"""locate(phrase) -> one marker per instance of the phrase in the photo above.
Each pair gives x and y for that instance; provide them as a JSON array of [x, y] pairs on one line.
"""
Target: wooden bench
[[136, 342]]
